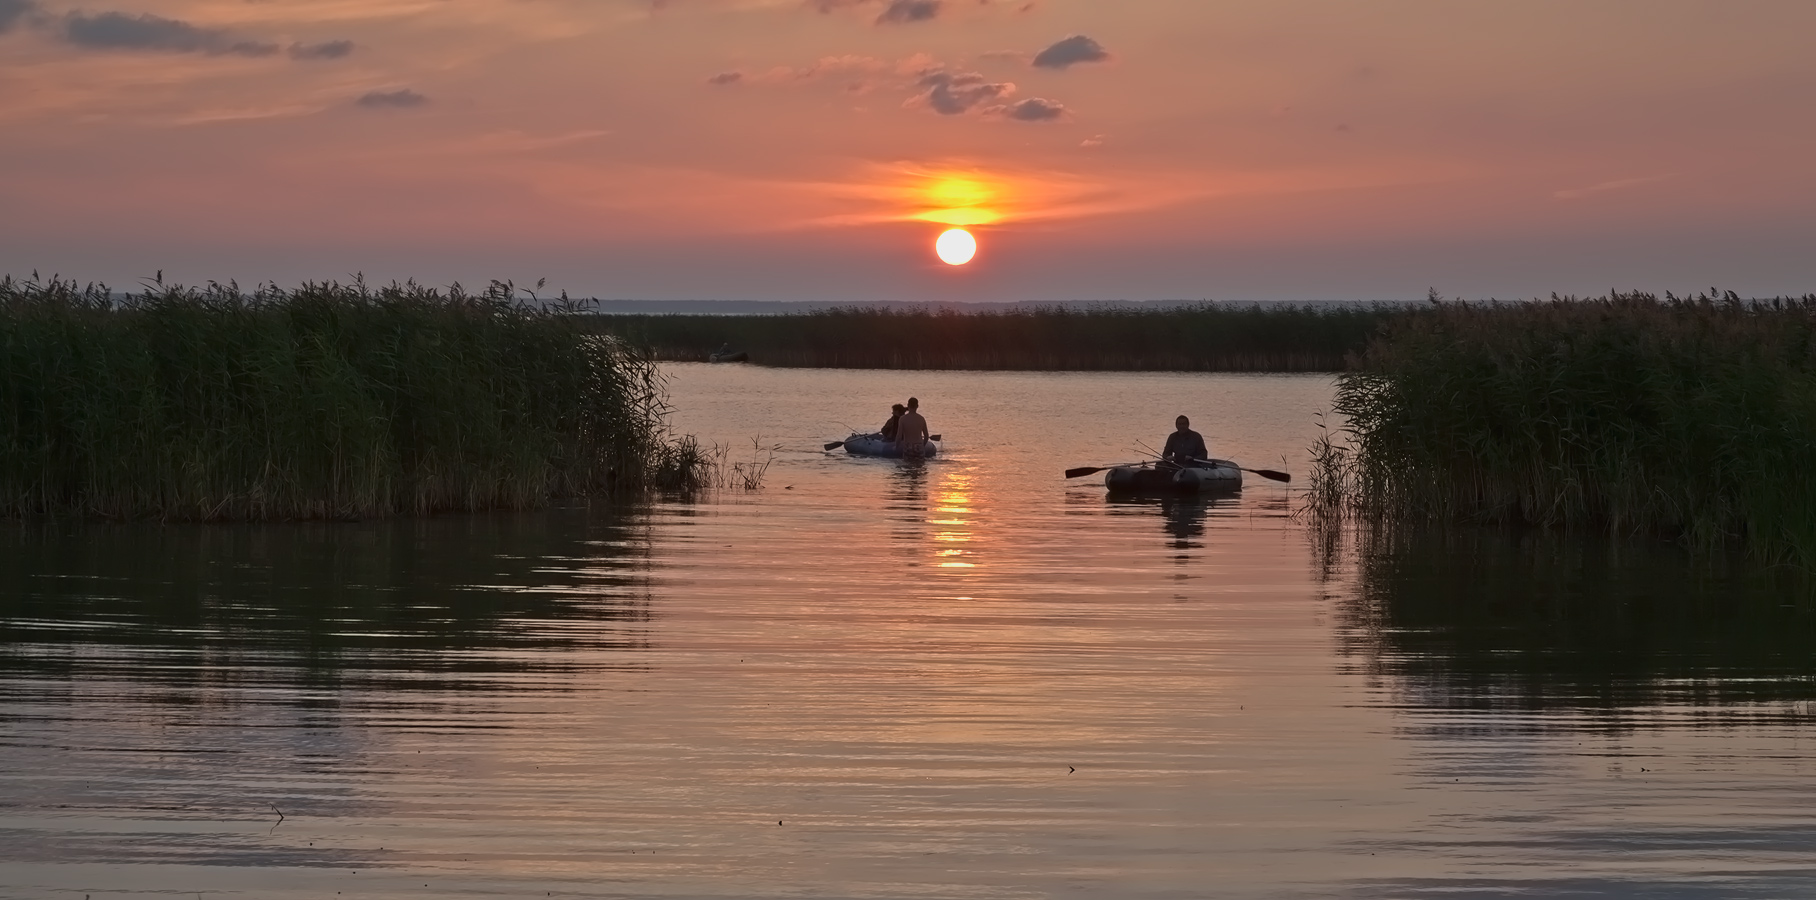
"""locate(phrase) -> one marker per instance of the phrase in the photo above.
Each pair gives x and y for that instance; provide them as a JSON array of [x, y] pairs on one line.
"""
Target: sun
[[956, 247]]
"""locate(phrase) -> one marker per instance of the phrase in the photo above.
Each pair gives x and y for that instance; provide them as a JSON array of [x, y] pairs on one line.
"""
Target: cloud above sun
[[113, 31], [931, 86], [119, 31], [944, 89], [902, 11], [12, 12], [402, 98], [1034, 109], [952, 93], [1070, 52], [894, 12]]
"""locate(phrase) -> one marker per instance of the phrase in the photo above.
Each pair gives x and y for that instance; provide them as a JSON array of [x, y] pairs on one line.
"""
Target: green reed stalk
[[1693, 417], [1205, 337], [328, 401]]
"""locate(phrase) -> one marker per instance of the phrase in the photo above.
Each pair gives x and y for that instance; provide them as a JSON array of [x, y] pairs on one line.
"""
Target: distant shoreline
[[1200, 337], [801, 307]]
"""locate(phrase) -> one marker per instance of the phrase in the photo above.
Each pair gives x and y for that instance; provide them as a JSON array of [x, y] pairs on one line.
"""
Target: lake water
[[969, 678]]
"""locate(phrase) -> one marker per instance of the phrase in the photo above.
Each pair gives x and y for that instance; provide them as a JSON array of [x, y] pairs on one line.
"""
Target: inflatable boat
[[1220, 475], [875, 445]]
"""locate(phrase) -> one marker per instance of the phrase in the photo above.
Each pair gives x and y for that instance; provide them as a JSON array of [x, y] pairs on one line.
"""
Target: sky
[[813, 150]]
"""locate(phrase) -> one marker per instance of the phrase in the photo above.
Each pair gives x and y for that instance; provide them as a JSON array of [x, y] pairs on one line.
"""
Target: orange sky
[[812, 149]]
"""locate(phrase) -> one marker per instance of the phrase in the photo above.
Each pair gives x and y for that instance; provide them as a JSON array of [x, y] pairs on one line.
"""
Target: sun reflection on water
[[951, 516]]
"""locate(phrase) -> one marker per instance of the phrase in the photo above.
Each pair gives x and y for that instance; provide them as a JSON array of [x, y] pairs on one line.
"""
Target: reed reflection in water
[[960, 678], [1625, 721]]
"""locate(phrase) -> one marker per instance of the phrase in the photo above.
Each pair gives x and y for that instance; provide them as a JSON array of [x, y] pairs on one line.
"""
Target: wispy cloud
[[951, 93], [1033, 109], [1070, 52], [402, 98], [822, 68], [146, 32], [895, 12], [931, 85], [12, 12], [901, 11], [119, 31], [324, 50], [1606, 186]]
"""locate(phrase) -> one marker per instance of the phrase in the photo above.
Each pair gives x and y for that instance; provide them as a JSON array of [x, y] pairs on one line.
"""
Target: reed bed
[[1201, 338], [1692, 417], [328, 401]]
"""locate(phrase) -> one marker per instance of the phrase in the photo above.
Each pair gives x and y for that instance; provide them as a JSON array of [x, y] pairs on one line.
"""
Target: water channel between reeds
[[968, 678]]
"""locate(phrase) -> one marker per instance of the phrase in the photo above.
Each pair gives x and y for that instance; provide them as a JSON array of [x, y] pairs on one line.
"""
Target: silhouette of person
[[1184, 446], [911, 431], [895, 421]]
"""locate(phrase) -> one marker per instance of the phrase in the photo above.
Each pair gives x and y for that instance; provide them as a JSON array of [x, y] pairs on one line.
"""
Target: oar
[[1092, 470], [1269, 474], [837, 444]]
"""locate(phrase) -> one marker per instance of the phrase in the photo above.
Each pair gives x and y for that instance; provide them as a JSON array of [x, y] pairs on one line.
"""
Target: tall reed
[[1693, 417], [1205, 337], [328, 401]]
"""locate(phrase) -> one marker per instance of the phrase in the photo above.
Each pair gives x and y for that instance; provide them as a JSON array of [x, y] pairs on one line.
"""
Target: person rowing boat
[[1184, 448]]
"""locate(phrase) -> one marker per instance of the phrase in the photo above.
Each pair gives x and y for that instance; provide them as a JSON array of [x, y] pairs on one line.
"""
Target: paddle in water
[[1264, 473], [1092, 470]]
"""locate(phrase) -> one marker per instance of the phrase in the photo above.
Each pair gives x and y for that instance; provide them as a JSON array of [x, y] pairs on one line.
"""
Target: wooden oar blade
[[835, 445], [933, 437], [1083, 470], [1270, 473]]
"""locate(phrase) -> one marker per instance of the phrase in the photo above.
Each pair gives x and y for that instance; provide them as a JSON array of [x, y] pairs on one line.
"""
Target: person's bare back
[[911, 431]]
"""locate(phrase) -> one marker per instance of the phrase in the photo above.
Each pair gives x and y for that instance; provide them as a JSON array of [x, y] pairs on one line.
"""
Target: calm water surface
[[968, 679]]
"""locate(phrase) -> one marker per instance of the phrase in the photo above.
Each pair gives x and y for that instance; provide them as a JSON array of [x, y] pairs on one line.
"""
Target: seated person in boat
[[1185, 447], [911, 430], [895, 421]]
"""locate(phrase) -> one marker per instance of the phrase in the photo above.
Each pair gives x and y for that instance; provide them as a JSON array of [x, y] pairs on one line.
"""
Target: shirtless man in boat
[[1185, 447], [911, 431]]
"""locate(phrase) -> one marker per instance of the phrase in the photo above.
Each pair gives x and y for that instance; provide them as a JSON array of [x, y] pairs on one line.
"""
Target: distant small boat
[[877, 445], [1220, 475], [729, 356]]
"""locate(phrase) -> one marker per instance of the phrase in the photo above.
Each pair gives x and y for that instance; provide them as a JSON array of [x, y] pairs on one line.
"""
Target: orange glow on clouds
[[962, 200]]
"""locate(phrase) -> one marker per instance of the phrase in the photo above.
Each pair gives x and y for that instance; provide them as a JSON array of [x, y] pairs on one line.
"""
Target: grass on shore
[[1692, 417], [1205, 337], [328, 401]]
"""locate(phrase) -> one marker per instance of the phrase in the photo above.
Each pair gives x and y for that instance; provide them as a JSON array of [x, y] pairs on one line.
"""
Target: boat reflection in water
[[1182, 517]]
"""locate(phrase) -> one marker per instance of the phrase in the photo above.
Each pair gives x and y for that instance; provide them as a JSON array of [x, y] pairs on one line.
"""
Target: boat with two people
[[874, 444], [904, 436]]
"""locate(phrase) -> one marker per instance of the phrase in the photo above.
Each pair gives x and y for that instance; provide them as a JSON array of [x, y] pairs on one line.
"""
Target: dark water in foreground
[[964, 679]]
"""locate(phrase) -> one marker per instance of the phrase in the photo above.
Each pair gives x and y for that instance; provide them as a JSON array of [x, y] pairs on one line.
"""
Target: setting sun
[[956, 247]]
